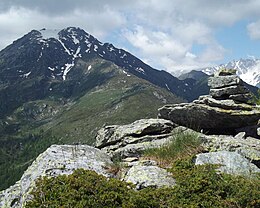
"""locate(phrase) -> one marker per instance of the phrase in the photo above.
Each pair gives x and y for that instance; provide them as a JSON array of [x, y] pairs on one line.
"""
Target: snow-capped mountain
[[54, 55], [247, 69]]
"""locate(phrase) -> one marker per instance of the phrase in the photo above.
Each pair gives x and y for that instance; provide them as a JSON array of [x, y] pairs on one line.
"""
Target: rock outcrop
[[56, 160], [229, 162], [224, 110], [129, 140]]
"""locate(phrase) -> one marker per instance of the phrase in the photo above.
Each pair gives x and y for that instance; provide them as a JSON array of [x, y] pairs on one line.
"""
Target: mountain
[[50, 56], [247, 69]]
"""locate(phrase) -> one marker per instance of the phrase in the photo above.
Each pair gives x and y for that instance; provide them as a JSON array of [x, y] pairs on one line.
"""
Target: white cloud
[[165, 34], [171, 52], [254, 30], [18, 21]]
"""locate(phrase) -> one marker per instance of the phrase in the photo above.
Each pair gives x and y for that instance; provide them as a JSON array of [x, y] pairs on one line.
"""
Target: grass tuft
[[182, 144]]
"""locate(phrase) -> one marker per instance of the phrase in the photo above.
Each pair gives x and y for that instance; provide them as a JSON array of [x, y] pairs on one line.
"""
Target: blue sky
[[167, 34]]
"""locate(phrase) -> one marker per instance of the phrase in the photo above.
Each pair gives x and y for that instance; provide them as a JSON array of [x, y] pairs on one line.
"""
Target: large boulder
[[207, 116], [224, 81], [130, 140], [229, 162], [56, 160], [248, 147]]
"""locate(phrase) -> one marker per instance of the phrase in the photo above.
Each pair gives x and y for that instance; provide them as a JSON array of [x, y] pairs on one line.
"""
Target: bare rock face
[[56, 160], [225, 109]]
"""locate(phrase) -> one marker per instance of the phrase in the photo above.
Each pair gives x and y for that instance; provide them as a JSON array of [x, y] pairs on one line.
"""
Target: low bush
[[197, 186]]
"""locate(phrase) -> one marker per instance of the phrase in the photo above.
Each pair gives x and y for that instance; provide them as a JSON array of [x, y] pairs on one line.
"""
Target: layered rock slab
[[129, 140], [204, 116]]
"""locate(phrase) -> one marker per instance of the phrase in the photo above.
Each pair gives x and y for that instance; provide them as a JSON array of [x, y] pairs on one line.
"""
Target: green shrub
[[197, 186], [202, 186]]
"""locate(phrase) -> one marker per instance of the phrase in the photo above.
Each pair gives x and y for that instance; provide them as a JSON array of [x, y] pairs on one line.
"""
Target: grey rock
[[56, 160], [225, 72], [224, 81], [228, 104], [243, 98], [225, 92], [241, 135], [149, 176], [202, 116], [124, 150], [258, 131], [130, 140], [113, 134], [248, 147], [230, 162]]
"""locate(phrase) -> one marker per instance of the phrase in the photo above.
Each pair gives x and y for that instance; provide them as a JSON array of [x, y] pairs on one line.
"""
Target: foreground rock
[[130, 146], [230, 162], [129, 140], [148, 175], [224, 110], [248, 147], [56, 160]]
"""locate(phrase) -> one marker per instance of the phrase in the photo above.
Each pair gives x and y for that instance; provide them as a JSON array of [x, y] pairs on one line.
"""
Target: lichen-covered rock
[[203, 116], [249, 147], [230, 162], [227, 104], [112, 134], [129, 140], [148, 176], [224, 81], [225, 92], [56, 160]]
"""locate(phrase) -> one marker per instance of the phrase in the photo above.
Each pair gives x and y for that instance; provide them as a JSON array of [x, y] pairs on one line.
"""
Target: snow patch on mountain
[[49, 33], [67, 69]]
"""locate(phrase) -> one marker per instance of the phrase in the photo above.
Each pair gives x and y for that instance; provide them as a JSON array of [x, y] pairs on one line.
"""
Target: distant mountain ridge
[[247, 69]]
